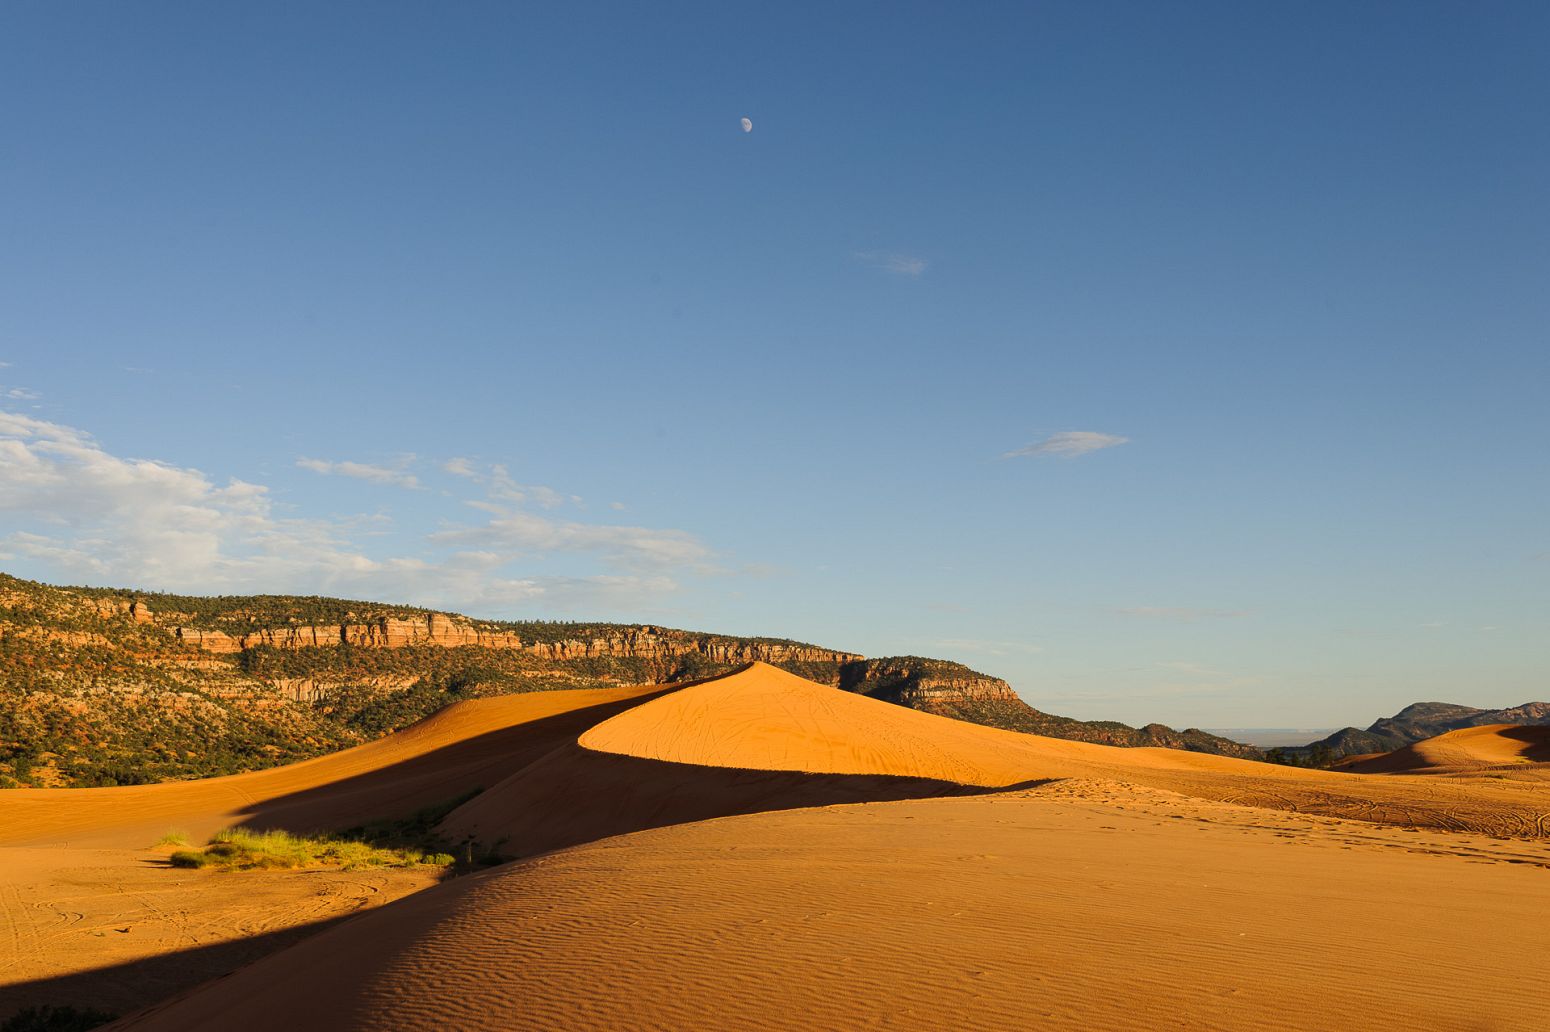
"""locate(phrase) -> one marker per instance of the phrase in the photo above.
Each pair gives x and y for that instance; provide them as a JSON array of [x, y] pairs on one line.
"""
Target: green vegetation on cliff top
[[94, 694]]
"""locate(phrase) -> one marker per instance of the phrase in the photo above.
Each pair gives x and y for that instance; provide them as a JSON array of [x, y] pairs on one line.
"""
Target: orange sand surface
[[467, 745], [92, 915], [1089, 908], [758, 851], [1507, 749], [764, 739], [113, 929]]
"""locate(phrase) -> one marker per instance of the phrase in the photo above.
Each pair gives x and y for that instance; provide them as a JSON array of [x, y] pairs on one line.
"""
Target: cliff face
[[953, 690], [438, 630], [922, 683], [100, 686], [652, 644], [385, 633]]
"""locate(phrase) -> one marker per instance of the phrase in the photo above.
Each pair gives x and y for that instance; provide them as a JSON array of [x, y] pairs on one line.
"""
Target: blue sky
[[1177, 362]]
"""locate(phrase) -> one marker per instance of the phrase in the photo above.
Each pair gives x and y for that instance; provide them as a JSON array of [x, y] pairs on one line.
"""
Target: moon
[[747, 125]]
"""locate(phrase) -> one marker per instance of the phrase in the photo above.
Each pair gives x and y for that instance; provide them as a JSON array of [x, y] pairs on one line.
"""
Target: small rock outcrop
[[953, 690]]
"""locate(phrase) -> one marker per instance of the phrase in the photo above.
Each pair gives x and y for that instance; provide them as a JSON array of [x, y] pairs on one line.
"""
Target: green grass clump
[[173, 838], [399, 842], [237, 849]]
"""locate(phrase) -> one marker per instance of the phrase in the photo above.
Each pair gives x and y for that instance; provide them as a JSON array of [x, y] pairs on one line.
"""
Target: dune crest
[[1469, 749], [762, 718], [684, 865], [760, 739]]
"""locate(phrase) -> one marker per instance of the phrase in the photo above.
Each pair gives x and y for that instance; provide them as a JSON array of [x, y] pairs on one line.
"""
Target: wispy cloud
[[1067, 444], [20, 394], [515, 533], [394, 476], [503, 487], [82, 514], [1179, 614], [893, 262]]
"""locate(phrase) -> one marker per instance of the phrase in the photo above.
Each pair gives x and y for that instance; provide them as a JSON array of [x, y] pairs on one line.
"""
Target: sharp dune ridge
[[761, 851], [656, 763], [114, 687]]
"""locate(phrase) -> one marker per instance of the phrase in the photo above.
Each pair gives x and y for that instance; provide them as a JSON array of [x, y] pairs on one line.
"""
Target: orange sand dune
[[692, 754], [575, 795], [1089, 908], [90, 916], [468, 745], [691, 870], [762, 718], [1467, 749]]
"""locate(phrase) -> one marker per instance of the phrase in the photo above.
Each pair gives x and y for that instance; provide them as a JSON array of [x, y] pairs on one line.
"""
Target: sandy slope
[[691, 870], [1083, 907], [1467, 750], [468, 745], [687, 755], [91, 916], [114, 929], [763, 718]]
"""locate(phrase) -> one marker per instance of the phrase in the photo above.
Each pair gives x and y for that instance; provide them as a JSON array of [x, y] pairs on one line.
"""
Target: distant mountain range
[[104, 686], [1414, 723]]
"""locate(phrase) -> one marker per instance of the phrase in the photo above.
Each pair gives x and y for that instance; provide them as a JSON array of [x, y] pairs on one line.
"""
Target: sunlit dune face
[[758, 850]]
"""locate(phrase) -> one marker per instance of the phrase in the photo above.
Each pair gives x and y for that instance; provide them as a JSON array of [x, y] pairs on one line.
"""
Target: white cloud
[[80, 513], [501, 485], [1068, 444], [514, 532], [504, 487], [893, 262], [390, 475], [21, 394]]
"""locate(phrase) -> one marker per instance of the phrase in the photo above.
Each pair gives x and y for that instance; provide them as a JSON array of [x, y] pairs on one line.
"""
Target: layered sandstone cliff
[[923, 683], [100, 686], [441, 631]]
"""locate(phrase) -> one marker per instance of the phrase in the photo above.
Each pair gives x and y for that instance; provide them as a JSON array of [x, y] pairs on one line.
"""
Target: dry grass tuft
[[237, 849]]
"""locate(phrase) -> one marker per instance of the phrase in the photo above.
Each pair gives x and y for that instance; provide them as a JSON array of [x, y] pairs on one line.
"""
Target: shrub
[[238, 849]]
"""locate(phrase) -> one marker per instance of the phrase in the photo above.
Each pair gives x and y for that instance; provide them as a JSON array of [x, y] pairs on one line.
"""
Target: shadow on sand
[[432, 778], [543, 791], [125, 988]]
